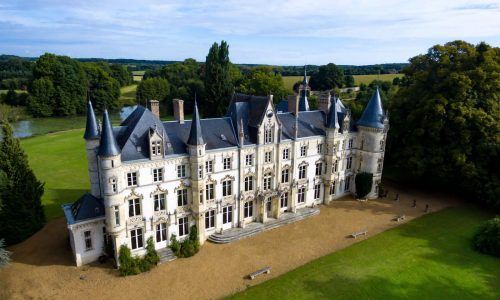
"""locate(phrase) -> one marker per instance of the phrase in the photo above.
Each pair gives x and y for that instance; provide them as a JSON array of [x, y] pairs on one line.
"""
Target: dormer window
[[156, 148], [268, 135]]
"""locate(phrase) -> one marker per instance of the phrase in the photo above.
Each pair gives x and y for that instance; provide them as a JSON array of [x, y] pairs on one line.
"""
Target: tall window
[[268, 135], [302, 171], [301, 195], [286, 154], [227, 214], [157, 175], [181, 171], [284, 200], [227, 163], [210, 219], [317, 191], [347, 183], [285, 175], [332, 188], [161, 232], [319, 169], [183, 226], [159, 200], [362, 144], [267, 181], [268, 156], [200, 172], [88, 240], [209, 191], [382, 145], [249, 160], [320, 148], [132, 178], [303, 151], [114, 186], [350, 144], [134, 207], [248, 183], [379, 165], [209, 166], [348, 163], [117, 215], [248, 209], [156, 148], [182, 198], [335, 166], [136, 238], [227, 188]]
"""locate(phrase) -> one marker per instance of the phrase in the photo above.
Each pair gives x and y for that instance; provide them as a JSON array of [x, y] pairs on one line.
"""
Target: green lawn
[[367, 79], [127, 95], [289, 81], [427, 258]]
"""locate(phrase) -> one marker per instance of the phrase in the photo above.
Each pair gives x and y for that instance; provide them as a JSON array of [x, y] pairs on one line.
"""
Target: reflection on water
[[32, 127]]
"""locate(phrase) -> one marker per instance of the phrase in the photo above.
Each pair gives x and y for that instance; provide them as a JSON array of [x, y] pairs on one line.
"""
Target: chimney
[[324, 100], [179, 110], [154, 107], [293, 104]]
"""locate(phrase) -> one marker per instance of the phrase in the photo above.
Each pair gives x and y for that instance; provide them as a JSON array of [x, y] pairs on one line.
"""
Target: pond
[[37, 126]]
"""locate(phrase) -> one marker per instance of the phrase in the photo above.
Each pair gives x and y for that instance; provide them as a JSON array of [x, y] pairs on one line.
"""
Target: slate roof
[[86, 208], [373, 115], [282, 106], [91, 128], [333, 115], [108, 145], [310, 123], [195, 133]]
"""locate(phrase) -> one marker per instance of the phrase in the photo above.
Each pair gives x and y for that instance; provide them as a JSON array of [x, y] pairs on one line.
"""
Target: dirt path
[[43, 266]]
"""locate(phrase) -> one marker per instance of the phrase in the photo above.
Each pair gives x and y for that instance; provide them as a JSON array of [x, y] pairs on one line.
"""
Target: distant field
[[127, 96], [17, 91], [137, 75], [289, 81]]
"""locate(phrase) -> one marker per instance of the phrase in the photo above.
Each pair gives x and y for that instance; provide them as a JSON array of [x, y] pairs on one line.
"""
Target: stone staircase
[[166, 255], [234, 234]]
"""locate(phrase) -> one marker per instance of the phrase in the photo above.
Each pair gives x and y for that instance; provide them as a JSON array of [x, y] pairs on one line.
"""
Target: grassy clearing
[[127, 95], [289, 81], [367, 79], [427, 258]]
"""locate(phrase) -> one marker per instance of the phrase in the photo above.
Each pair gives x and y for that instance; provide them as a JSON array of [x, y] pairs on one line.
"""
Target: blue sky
[[290, 32]]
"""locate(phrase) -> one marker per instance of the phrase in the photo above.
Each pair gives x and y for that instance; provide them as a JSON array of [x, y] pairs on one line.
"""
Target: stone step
[[166, 255]]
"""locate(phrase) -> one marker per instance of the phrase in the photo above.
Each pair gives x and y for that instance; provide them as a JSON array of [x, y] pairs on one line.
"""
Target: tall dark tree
[[22, 212], [103, 90], [218, 83], [121, 73], [328, 77], [445, 119], [153, 89], [41, 102]]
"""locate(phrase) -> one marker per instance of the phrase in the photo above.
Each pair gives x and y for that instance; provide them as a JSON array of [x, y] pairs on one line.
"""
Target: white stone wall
[[77, 240]]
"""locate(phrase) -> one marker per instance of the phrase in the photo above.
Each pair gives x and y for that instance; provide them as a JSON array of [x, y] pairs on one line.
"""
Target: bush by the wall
[[188, 247], [134, 265], [364, 183], [487, 237], [151, 256]]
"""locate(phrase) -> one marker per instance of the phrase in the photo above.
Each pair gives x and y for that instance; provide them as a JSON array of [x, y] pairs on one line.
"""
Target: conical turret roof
[[108, 145], [373, 115], [195, 134], [91, 128], [332, 120]]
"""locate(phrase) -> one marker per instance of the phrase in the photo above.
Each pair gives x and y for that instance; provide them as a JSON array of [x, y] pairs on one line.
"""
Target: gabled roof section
[[195, 134], [86, 208], [108, 145], [255, 107], [373, 115], [91, 128], [310, 123]]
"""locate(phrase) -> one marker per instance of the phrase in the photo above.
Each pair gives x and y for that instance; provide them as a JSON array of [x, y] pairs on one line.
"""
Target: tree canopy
[[153, 89], [328, 77], [263, 81]]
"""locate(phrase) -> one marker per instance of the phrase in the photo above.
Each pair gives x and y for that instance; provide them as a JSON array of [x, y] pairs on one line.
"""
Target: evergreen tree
[[218, 83], [22, 211], [4, 255]]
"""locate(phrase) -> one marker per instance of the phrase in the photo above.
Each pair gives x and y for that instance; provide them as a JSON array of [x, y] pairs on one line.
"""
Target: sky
[[293, 32]]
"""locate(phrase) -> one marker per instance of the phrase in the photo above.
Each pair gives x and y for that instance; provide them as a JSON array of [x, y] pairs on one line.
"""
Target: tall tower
[[332, 131], [91, 137], [372, 129], [196, 149]]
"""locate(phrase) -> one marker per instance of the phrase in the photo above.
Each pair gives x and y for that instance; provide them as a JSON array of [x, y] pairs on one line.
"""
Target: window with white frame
[[335, 166], [302, 171], [181, 171], [248, 183], [267, 181], [320, 148], [301, 195], [285, 175], [249, 160], [210, 219], [209, 166], [161, 232], [317, 191], [114, 185], [350, 143], [136, 239], [268, 156], [159, 201], [286, 154], [347, 183], [227, 214], [209, 191], [248, 209], [132, 178], [116, 210], [183, 226], [227, 163], [200, 172], [268, 135], [134, 207], [182, 197], [348, 163], [227, 187], [319, 168], [284, 200], [332, 188], [303, 151], [156, 148], [88, 240], [158, 175]]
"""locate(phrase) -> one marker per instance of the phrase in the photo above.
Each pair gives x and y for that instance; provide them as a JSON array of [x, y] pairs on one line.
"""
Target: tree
[[262, 81], [487, 237], [41, 102], [103, 90], [445, 120], [153, 89], [349, 81], [328, 77], [22, 211], [218, 83], [4, 254], [121, 74], [364, 182]]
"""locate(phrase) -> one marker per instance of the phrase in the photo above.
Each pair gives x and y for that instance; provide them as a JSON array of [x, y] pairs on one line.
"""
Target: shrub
[[364, 183], [188, 247], [175, 246], [487, 237], [151, 256], [128, 264], [4, 255]]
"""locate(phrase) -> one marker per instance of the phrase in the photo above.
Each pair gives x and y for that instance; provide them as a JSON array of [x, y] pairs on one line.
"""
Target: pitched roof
[[195, 134], [310, 123], [332, 120], [86, 208], [108, 145], [91, 128], [373, 115]]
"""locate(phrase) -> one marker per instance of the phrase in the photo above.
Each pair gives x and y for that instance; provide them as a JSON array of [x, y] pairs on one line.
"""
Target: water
[[31, 127]]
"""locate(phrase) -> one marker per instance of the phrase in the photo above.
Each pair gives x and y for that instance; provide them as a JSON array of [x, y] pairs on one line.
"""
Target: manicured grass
[[427, 258], [367, 79], [127, 95], [289, 81]]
